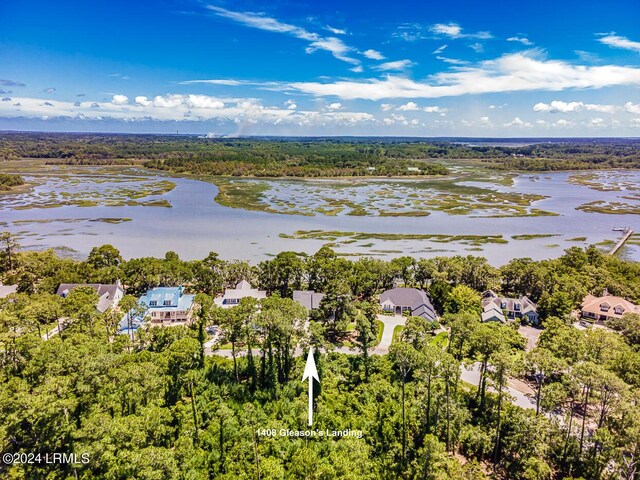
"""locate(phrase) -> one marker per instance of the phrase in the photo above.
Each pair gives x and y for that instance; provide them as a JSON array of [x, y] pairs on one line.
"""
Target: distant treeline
[[9, 180], [314, 156]]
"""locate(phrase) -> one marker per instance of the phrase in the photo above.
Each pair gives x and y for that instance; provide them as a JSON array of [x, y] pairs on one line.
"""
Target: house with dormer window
[[232, 296], [504, 309], [606, 307], [163, 306], [109, 295]]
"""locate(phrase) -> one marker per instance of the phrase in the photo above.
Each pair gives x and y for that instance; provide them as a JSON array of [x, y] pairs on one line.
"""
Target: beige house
[[606, 307]]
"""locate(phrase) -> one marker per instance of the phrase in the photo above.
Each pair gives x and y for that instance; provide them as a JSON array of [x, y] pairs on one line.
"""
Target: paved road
[[522, 395]]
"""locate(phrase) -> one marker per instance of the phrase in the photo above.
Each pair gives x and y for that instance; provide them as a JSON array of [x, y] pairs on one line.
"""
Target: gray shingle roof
[[308, 298], [413, 298]]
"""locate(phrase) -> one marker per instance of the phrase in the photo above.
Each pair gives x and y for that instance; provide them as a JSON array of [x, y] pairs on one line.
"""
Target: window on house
[[516, 307], [167, 303], [153, 303], [503, 305], [604, 307], [619, 310]]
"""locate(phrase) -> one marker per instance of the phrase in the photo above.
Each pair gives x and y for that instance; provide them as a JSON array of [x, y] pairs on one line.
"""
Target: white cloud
[[451, 29], [434, 109], [290, 104], [477, 47], [509, 73], [440, 49], [335, 106], [395, 65], [522, 40], [216, 81], [517, 122], [563, 123], [558, 106], [317, 42], [143, 101], [373, 54], [596, 122], [386, 107], [409, 106], [454, 30], [632, 108], [620, 42], [178, 107], [452, 61], [357, 69], [334, 45], [120, 100], [336, 31]]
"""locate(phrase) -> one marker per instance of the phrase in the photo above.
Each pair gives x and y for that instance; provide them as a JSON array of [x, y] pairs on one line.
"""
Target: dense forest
[[314, 157], [157, 407]]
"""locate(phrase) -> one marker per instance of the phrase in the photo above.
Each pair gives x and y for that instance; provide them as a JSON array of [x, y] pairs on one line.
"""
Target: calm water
[[196, 224]]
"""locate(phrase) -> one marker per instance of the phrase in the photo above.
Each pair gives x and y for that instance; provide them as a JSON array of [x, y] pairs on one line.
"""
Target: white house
[[232, 296], [399, 300], [109, 295]]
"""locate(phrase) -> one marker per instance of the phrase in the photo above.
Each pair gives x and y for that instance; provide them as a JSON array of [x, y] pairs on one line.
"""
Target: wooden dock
[[622, 241]]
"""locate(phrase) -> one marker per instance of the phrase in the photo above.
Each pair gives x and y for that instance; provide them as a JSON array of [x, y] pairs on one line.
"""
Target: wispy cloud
[[452, 61], [509, 73], [11, 83], [216, 81], [333, 45], [453, 30], [395, 65], [620, 42], [522, 40], [335, 31], [440, 49]]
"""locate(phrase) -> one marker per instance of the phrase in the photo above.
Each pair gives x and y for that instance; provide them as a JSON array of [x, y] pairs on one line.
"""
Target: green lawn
[[396, 333], [380, 329], [440, 340]]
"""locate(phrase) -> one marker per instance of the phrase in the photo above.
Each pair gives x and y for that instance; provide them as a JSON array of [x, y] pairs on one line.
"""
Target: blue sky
[[455, 68]]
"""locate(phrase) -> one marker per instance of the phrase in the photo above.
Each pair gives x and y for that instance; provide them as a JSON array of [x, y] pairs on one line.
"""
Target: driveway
[[390, 323], [531, 334], [522, 395]]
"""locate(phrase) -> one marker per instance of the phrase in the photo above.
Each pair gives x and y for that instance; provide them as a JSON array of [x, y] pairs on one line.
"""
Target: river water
[[195, 224]]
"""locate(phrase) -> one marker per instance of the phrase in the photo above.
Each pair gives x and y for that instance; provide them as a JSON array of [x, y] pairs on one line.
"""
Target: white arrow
[[311, 372]]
